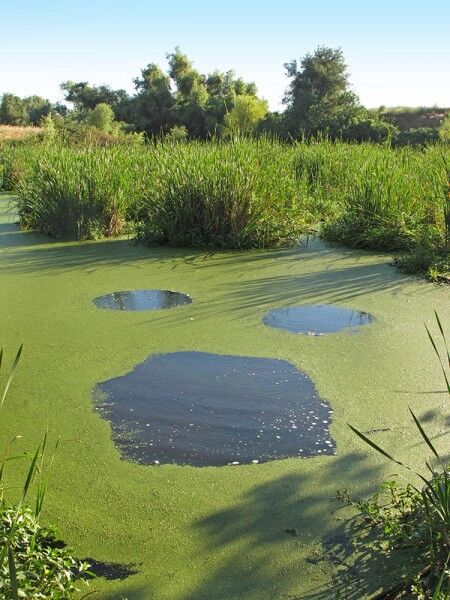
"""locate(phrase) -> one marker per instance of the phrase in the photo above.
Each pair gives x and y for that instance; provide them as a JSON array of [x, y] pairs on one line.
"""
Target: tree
[[245, 115], [273, 125], [85, 97], [191, 95], [37, 108], [318, 98], [319, 101], [13, 110], [102, 118], [152, 109]]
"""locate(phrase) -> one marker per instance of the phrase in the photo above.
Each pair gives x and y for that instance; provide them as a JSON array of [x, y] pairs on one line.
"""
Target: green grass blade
[[376, 447], [424, 435], [444, 574], [11, 375], [13, 575], [439, 357], [30, 474], [441, 329]]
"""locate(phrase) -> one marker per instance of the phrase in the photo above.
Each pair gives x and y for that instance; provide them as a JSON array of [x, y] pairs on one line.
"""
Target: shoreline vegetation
[[241, 193]]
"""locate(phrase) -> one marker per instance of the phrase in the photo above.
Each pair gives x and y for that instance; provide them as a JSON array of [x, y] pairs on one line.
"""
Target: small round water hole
[[194, 408], [316, 319], [142, 300]]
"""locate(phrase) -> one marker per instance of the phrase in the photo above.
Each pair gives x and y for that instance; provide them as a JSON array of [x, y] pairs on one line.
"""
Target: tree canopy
[[318, 101]]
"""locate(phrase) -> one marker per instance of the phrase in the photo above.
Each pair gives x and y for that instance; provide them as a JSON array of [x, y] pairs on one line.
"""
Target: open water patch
[[316, 319], [195, 408], [142, 300]]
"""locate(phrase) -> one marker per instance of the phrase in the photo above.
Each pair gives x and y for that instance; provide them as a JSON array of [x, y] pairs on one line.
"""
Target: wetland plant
[[241, 193], [34, 564], [416, 515]]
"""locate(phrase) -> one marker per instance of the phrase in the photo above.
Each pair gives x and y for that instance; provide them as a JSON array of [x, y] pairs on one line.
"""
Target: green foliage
[[419, 137], [86, 98], [274, 126], [43, 567], [237, 195], [418, 517], [177, 134], [34, 564], [319, 101], [391, 201], [431, 253], [363, 126], [444, 130], [245, 115], [151, 110], [13, 110], [80, 192], [23, 111], [423, 260], [102, 118], [16, 158], [182, 97]]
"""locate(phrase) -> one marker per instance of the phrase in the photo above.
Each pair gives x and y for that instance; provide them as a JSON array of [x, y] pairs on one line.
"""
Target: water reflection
[[142, 300], [316, 319]]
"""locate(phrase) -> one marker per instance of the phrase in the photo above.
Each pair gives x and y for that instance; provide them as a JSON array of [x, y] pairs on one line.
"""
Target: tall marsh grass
[[80, 192], [240, 194]]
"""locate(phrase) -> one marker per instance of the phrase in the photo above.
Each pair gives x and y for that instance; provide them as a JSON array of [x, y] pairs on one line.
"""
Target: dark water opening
[[142, 300], [110, 570], [207, 409], [316, 319]]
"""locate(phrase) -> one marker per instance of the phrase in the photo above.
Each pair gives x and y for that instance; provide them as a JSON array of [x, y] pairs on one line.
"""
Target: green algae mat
[[234, 532]]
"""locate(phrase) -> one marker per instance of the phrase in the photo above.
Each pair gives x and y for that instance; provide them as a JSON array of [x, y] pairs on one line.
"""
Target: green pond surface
[[211, 533]]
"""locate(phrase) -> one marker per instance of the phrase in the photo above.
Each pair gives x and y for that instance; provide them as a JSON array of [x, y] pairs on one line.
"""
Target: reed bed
[[240, 194]]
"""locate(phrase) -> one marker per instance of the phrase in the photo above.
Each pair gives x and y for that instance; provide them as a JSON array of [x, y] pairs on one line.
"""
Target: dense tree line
[[185, 103]]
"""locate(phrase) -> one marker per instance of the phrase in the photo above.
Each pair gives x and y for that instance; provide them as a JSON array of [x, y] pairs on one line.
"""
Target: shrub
[[34, 564], [102, 118], [416, 516], [178, 133], [419, 137], [444, 130], [43, 566]]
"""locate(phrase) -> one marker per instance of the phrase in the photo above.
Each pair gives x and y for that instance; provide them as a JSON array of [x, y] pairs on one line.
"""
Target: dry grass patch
[[14, 132]]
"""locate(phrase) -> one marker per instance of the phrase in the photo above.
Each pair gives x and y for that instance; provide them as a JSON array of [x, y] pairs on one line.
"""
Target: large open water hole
[[209, 409]]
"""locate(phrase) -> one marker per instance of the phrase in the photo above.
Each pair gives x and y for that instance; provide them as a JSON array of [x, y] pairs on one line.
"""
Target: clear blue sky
[[398, 51]]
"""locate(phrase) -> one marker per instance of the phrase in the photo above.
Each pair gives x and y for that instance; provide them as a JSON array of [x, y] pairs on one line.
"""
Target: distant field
[[12, 132]]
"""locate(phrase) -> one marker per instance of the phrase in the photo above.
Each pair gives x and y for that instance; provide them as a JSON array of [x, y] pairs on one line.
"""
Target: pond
[[207, 409]]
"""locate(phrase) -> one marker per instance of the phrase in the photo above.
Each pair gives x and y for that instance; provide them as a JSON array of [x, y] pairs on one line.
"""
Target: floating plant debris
[[316, 319], [195, 408], [142, 300]]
